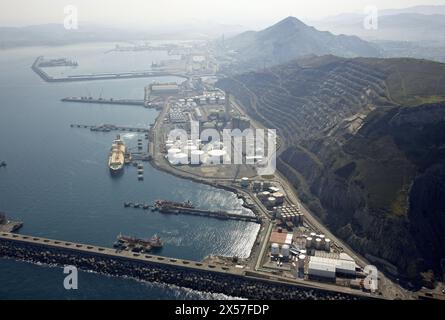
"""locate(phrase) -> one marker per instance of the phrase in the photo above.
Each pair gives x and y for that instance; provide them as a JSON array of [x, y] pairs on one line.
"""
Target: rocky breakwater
[[189, 274]]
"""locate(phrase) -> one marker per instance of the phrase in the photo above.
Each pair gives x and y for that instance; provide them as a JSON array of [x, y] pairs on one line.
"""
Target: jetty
[[171, 208], [125, 102], [109, 128]]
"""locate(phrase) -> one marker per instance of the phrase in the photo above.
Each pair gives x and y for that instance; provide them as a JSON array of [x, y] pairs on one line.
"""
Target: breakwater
[[184, 273], [100, 76]]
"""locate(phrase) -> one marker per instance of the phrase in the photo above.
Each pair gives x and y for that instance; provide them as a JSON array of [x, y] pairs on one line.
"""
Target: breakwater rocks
[[181, 273]]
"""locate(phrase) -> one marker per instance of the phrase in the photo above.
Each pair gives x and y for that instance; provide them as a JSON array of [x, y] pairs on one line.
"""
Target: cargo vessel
[[116, 159], [138, 245]]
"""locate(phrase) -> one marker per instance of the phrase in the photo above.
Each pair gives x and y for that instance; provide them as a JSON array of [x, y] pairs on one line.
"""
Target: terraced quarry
[[363, 139]]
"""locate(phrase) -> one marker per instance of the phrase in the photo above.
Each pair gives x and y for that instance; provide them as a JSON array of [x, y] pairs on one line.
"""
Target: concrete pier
[[109, 127], [124, 102], [185, 273]]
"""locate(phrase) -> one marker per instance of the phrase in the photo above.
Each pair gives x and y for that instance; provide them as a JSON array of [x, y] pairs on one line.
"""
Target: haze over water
[[57, 180]]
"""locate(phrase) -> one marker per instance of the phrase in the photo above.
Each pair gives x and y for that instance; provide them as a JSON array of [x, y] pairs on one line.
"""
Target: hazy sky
[[249, 13]]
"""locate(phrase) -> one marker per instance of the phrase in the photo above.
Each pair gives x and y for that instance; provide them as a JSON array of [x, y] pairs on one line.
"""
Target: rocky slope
[[364, 147]]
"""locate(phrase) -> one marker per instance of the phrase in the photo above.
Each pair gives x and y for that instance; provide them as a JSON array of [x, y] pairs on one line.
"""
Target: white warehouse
[[328, 268]]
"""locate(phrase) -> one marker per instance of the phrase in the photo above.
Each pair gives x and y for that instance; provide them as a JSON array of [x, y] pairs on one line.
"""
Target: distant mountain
[[428, 10], [290, 39], [425, 23], [363, 144]]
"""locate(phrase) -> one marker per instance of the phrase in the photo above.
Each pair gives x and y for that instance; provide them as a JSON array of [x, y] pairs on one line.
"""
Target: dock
[[109, 128], [221, 215], [124, 102]]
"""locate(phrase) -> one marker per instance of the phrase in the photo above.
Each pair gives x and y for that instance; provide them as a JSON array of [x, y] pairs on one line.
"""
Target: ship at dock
[[132, 244], [166, 205], [116, 159]]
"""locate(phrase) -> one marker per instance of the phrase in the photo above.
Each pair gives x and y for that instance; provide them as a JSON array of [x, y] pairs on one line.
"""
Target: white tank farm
[[309, 242], [285, 250], [196, 156], [180, 158], [275, 249]]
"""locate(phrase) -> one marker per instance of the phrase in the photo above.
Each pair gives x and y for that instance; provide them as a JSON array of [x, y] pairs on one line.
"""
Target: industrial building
[[164, 88], [329, 268]]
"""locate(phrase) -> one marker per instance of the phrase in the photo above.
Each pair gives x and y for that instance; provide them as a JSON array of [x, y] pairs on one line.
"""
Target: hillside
[[365, 149], [290, 39]]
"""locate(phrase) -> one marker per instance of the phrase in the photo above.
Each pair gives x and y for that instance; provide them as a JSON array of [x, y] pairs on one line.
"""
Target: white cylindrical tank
[[279, 196], [322, 237], [327, 244], [180, 158], [318, 243], [285, 249], [171, 153], [271, 201], [244, 182], [301, 218], [264, 195], [313, 234], [301, 260], [309, 242], [302, 251], [275, 249]]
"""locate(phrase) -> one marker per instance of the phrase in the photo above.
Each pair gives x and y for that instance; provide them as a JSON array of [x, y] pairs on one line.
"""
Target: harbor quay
[[184, 273]]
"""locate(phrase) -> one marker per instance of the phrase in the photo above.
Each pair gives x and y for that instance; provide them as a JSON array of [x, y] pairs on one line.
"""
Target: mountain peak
[[290, 22]]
